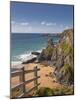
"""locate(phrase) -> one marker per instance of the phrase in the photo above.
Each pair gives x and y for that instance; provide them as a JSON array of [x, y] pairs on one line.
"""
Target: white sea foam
[[23, 58], [39, 50], [27, 56]]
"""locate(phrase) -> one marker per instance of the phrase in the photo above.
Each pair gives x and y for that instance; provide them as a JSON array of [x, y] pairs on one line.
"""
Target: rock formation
[[61, 56], [46, 53], [64, 63]]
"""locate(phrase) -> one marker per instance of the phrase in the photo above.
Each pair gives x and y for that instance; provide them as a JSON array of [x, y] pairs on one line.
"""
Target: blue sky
[[40, 18]]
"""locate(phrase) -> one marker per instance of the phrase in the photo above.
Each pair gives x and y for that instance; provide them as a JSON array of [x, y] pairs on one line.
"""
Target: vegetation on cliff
[[62, 56], [66, 72]]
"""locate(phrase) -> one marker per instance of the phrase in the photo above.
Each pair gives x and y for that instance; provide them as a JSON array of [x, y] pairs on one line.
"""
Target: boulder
[[29, 61], [35, 53]]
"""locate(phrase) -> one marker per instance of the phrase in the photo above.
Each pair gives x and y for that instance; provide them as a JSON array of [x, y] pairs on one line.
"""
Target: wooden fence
[[20, 89]]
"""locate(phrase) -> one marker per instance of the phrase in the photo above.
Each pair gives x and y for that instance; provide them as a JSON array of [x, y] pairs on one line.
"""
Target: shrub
[[48, 51], [66, 48], [45, 91], [67, 73]]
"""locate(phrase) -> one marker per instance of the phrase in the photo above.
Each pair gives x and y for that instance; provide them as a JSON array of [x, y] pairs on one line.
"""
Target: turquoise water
[[22, 44]]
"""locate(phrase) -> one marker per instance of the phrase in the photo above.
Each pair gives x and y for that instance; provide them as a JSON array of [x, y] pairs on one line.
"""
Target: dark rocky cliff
[[64, 64], [46, 53], [61, 56]]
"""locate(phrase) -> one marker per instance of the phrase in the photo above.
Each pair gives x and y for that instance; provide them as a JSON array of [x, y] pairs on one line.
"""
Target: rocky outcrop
[[46, 53], [33, 59], [54, 54], [64, 64], [61, 56], [35, 53]]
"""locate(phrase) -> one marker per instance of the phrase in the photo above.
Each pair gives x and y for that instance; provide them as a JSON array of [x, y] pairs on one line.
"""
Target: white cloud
[[66, 27], [43, 23], [25, 27], [34, 29], [50, 24], [24, 23]]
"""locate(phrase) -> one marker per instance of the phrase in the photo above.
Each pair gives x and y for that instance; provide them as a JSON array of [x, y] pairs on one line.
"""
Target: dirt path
[[46, 80]]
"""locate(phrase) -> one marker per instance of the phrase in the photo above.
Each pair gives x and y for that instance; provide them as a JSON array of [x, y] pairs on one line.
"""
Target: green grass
[[49, 50], [66, 48], [67, 72], [45, 91]]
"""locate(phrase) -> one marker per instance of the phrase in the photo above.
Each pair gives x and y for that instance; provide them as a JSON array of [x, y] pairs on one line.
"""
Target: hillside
[[64, 67], [61, 56]]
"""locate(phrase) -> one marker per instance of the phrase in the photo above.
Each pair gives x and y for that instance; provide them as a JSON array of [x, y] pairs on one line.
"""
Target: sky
[[40, 18]]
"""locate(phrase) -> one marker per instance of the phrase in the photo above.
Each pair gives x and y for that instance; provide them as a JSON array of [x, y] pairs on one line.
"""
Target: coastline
[[25, 58], [52, 65]]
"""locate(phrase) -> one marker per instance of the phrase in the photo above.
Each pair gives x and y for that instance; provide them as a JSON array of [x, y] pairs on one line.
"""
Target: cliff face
[[64, 64], [61, 56], [46, 53]]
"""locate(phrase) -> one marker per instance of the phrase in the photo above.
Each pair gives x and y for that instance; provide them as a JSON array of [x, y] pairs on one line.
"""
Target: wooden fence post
[[21, 76], [23, 80], [35, 81]]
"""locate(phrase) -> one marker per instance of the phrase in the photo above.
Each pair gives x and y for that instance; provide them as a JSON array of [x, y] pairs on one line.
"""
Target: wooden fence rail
[[23, 82]]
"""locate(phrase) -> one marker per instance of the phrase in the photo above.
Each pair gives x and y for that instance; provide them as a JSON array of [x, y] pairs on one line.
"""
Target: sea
[[22, 44]]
